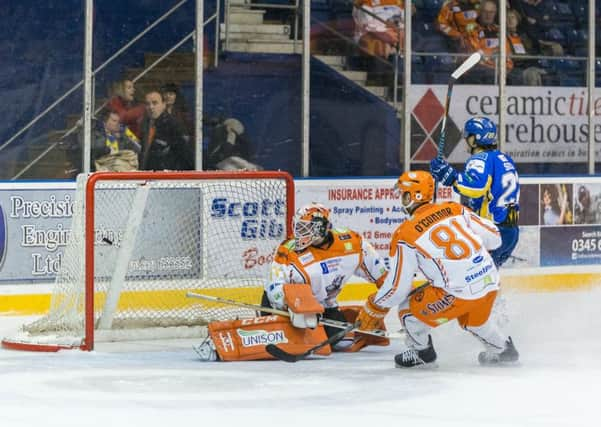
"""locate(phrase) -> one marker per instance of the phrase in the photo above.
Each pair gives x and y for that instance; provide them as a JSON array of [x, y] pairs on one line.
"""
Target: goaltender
[[306, 277]]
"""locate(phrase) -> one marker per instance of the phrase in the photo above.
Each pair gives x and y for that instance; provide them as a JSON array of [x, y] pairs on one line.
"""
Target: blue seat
[[580, 11], [556, 35], [427, 39], [441, 63], [572, 80], [569, 65], [430, 9], [437, 78], [559, 11], [577, 39]]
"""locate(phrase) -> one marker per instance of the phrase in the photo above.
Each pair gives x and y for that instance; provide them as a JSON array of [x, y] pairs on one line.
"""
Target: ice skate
[[206, 351], [508, 355], [411, 358]]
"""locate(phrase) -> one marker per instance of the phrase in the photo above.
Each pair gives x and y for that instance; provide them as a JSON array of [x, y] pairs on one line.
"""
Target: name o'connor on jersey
[[259, 219]]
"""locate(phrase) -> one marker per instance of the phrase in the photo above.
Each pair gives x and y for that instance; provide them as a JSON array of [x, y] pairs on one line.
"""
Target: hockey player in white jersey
[[449, 244]]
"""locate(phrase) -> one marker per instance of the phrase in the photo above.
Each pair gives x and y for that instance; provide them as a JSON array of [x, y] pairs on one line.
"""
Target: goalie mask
[[311, 225], [414, 188]]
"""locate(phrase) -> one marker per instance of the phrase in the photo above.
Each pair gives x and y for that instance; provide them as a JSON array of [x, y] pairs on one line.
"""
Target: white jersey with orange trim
[[326, 268], [449, 244]]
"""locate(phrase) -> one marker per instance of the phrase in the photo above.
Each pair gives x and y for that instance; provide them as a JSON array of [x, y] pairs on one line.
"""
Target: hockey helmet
[[483, 129], [311, 225], [415, 188]]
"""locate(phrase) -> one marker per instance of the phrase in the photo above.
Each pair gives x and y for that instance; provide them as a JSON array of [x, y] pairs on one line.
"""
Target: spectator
[[114, 146], [163, 143], [176, 106], [524, 71], [229, 148], [484, 38], [455, 19], [379, 37], [122, 102], [379, 30], [535, 20]]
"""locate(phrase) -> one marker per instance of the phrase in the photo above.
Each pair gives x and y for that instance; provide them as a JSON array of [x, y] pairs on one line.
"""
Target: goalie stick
[[280, 354], [323, 321]]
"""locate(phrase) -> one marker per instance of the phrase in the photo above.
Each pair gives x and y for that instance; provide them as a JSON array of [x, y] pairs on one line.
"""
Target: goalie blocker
[[246, 339]]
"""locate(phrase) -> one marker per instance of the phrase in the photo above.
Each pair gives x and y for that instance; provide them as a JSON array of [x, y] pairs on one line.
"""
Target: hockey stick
[[280, 354], [323, 321], [472, 60]]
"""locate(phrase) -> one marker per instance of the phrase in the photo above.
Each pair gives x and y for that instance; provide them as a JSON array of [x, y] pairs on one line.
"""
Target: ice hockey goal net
[[140, 241]]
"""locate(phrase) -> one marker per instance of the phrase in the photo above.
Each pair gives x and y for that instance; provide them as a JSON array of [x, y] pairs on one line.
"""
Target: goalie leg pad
[[246, 339]]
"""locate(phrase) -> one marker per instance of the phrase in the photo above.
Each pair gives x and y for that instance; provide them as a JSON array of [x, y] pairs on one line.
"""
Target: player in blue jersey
[[489, 181]]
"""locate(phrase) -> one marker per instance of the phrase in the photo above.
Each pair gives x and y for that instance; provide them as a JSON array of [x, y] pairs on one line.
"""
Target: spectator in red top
[[122, 102]]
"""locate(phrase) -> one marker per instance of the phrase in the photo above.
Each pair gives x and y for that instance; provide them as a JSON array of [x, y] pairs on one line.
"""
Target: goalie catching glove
[[302, 305], [371, 315]]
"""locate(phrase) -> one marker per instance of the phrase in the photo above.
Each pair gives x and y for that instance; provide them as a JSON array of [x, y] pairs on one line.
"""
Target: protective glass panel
[[355, 89], [444, 34], [252, 104], [42, 52], [143, 86], [547, 129]]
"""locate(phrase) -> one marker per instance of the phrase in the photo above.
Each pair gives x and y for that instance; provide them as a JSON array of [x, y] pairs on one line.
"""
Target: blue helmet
[[483, 129]]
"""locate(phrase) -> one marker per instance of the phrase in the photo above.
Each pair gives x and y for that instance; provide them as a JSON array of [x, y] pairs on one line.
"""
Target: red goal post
[[141, 240]]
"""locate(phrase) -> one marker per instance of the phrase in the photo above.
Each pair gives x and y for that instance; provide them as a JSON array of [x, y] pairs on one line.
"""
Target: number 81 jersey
[[449, 244]]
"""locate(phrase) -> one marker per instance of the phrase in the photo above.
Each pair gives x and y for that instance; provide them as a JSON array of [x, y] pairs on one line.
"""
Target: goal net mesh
[[156, 239]]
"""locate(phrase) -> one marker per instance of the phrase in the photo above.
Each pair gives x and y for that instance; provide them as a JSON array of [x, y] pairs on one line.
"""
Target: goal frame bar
[[89, 330]]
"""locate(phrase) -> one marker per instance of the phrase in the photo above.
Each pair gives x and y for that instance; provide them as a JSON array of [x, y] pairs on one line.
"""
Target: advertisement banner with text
[[560, 223], [549, 125], [367, 206]]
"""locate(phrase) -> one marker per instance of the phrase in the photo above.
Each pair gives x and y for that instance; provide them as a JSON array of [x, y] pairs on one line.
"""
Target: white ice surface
[[557, 383]]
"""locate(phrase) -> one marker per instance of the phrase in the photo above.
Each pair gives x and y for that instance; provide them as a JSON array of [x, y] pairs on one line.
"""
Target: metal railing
[[96, 71], [228, 7], [70, 131]]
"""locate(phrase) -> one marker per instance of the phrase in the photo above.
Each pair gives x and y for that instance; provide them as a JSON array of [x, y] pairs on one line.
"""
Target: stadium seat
[[430, 9], [569, 65], [580, 12], [573, 80], [556, 35], [440, 63], [560, 12], [577, 38], [427, 39]]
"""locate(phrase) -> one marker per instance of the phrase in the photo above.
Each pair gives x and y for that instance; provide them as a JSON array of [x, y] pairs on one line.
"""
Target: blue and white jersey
[[490, 180]]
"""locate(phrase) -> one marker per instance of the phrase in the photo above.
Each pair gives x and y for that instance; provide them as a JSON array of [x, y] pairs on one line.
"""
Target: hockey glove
[[302, 305], [442, 171], [300, 320], [371, 314]]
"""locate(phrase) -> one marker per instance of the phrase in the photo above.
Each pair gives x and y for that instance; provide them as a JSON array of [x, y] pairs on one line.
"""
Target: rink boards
[[549, 257]]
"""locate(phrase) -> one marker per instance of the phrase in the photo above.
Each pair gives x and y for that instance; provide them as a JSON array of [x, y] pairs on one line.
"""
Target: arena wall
[[35, 222]]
